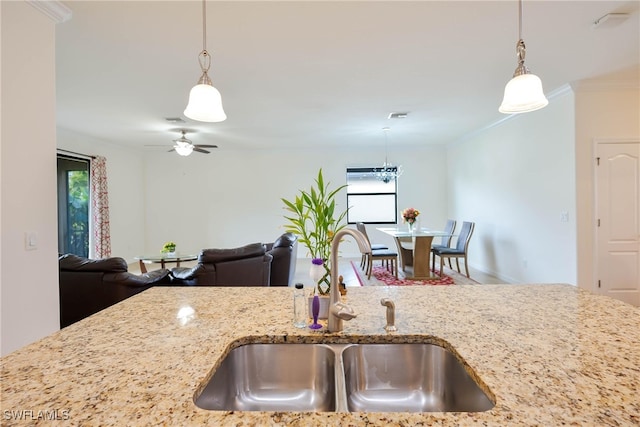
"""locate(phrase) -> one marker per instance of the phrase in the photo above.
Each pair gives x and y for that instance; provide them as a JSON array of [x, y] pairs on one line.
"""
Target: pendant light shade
[[523, 93], [205, 102]]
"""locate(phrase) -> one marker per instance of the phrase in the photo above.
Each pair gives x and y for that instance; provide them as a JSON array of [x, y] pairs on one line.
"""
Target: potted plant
[[169, 248], [313, 217]]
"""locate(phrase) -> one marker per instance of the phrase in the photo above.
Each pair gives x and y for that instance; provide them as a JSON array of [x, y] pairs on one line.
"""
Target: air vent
[[174, 120], [398, 115]]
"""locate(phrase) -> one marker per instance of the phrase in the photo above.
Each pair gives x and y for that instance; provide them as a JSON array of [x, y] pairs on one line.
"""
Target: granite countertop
[[550, 354]]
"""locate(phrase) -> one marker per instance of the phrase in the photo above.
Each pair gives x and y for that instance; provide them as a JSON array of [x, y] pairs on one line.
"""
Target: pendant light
[[387, 172], [205, 102], [524, 92]]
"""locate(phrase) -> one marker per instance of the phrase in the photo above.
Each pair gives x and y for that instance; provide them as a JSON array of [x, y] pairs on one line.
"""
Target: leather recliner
[[247, 265], [89, 285], [284, 251]]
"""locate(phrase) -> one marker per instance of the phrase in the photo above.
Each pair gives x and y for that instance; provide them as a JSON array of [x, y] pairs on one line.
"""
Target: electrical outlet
[[564, 216]]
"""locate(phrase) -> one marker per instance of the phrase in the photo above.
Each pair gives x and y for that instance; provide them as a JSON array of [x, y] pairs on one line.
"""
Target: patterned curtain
[[100, 208]]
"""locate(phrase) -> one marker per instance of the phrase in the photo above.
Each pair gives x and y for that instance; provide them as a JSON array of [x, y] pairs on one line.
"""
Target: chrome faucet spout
[[338, 310]]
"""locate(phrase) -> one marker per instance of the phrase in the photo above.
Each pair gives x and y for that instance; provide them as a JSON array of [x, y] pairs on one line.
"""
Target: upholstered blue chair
[[445, 241], [460, 250]]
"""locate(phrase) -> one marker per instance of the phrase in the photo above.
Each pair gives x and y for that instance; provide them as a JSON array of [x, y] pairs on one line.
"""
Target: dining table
[[414, 249], [163, 259]]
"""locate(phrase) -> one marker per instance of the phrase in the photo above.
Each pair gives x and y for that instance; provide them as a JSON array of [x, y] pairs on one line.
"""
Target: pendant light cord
[[386, 146], [521, 49], [204, 58], [520, 20], [204, 25]]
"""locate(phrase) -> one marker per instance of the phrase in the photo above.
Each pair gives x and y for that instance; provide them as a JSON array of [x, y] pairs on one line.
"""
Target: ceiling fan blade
[[200, 150], [173, 149], [205, 146]]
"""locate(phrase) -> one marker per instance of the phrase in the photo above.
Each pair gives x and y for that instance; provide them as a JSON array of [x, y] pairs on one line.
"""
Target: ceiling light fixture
[[183, 146], [387, 172], [524, 92], [205, 102]]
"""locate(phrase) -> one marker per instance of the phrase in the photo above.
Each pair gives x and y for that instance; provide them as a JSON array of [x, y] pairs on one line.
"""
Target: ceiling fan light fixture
[[183, 146], [205, 101], [183, 149], [523, 93]]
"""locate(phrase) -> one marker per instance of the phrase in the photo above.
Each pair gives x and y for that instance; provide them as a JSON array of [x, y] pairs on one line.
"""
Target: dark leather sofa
[[284, 252], [248, 265], [88, 286]]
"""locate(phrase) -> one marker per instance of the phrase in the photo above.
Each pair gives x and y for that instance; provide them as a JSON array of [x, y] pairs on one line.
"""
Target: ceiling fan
[[184, 146]]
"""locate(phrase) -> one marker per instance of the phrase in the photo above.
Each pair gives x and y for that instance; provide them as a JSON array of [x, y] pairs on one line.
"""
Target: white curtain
[[100, 208]]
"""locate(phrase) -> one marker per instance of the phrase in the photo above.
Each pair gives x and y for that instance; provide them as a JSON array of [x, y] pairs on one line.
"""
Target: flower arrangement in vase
[[409, 216], [313, 218]]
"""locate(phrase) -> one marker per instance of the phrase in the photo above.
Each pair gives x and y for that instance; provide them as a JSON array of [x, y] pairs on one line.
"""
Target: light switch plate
[[30, 240]]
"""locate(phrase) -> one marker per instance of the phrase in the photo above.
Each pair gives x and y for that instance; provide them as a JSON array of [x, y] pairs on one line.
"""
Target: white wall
[[513, 181], [604, 110], [230, 198], [125, 176], [28, 279]]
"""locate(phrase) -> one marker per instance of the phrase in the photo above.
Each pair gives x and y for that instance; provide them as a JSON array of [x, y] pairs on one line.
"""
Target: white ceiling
[[294, 74]]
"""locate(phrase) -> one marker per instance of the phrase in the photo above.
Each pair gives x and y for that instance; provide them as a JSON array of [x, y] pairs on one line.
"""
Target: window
[[369, 199], [73, 206]]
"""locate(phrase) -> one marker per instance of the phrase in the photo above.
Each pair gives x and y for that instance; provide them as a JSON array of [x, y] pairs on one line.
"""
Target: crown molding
[[554, 94], [57, 11]]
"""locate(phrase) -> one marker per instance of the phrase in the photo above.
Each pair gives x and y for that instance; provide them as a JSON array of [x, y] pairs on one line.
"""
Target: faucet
[[339, 311], [391, 314]]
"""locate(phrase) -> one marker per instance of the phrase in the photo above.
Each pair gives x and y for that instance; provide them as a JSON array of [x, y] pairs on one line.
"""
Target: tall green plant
[[313, 218]]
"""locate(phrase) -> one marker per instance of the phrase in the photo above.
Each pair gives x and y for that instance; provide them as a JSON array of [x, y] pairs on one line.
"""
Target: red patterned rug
[[384, 276]]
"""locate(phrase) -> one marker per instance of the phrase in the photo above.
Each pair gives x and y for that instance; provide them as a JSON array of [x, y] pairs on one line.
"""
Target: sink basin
[[409, 378], [342, 378], [273, 377]]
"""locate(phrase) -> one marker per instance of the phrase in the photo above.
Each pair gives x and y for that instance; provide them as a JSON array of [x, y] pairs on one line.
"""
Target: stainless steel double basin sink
[[390, 377]]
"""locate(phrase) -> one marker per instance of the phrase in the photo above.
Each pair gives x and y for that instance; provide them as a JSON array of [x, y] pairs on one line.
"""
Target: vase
[[316, 272], [324, 307], [321, 277]]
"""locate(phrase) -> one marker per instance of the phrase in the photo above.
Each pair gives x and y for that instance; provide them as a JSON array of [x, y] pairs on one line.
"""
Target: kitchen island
[[549, 354]]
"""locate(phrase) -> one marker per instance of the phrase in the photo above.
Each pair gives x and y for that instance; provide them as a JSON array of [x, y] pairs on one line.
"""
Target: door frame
[[594, 217]]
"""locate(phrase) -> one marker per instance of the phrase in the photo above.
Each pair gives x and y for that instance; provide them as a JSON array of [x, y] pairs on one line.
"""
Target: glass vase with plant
[[314, 219], [169, 247], [410, 216]]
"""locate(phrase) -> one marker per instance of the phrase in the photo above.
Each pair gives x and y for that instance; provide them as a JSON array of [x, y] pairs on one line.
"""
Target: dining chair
[[445, 241], [374, 247], [460, 251], [388, 258]]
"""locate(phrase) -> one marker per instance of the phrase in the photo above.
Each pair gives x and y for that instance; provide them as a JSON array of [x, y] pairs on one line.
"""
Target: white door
[[618, 220]]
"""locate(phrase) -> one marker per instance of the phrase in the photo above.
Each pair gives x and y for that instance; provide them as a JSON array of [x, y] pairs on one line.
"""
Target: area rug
[[384, 277]]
